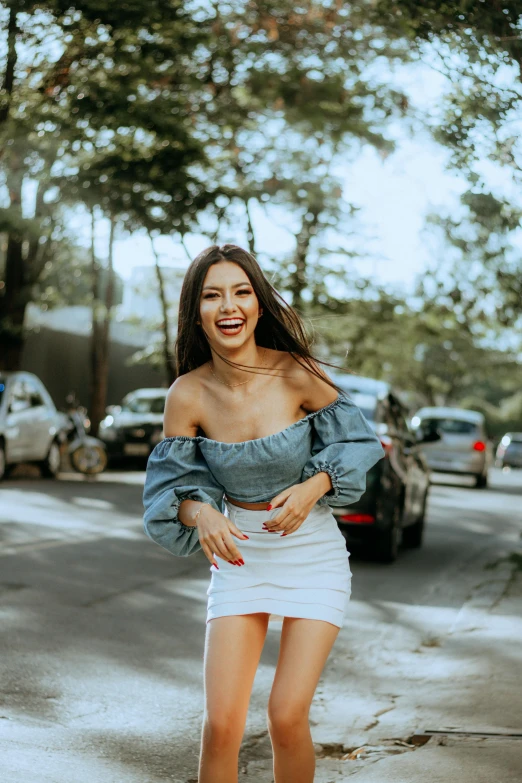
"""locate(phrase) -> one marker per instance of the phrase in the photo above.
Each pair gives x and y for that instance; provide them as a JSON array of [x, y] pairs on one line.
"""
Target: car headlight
[[107, 430], [156, 437]]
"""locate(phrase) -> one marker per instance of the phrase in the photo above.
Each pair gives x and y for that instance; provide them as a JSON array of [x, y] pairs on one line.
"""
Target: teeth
[[230, 323]]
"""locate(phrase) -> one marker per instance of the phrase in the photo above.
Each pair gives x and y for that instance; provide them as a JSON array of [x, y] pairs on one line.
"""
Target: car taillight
[[479, 445], [386, 443], [358, 519]]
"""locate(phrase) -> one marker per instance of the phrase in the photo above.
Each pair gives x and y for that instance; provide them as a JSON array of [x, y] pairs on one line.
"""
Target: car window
[[19, 399], [452, 426], [366, 402], [33, 394], [144, 405], [397, 416]]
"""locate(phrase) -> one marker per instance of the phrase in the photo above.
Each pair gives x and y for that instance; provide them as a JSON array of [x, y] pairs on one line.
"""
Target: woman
[[258, 441]]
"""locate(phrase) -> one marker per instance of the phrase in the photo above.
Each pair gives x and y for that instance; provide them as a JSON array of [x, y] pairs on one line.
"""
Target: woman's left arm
[[344, 448]]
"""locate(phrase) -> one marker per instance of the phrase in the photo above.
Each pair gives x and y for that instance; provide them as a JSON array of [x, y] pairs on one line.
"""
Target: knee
[[221, 732], [286, 722]]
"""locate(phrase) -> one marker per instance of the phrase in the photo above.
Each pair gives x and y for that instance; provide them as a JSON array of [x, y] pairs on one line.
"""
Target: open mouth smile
[[230, 326]]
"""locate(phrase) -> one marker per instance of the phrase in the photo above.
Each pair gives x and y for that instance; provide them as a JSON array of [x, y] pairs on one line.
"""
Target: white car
[[29, 423], [463, 447]]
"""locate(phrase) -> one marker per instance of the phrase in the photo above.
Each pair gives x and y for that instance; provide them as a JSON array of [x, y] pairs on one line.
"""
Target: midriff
[[250, 506]]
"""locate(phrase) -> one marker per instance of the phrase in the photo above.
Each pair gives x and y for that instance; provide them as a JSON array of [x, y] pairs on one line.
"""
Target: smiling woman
[[258, 439]]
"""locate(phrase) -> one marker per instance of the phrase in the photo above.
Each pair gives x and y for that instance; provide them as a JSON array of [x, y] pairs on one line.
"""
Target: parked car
[[463, 446], [133, 428], [509, 451], [394, 504], [30, 425]]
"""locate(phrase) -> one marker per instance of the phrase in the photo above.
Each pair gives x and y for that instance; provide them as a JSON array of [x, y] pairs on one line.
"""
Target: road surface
[[102, 643]]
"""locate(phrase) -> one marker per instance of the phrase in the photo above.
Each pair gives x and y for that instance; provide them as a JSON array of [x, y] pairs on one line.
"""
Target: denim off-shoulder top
[[336, 439]]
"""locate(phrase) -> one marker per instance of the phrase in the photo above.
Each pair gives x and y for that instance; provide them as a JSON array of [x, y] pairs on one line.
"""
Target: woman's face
[[229, 308]]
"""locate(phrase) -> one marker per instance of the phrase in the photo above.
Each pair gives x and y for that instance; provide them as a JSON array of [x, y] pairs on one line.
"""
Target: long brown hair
[[280, 327]]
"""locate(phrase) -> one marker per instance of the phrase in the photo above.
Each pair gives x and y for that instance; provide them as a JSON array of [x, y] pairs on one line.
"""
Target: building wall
[[61, 360]]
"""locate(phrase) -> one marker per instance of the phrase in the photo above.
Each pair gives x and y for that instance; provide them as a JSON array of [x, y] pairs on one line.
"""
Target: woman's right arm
[[180, 418], [179, 483]]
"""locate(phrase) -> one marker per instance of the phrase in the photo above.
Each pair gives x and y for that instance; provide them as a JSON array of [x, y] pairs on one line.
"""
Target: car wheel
[[50, 466], [89, 459], [3, 466], [412, 535], [385, 543], [481, 481]]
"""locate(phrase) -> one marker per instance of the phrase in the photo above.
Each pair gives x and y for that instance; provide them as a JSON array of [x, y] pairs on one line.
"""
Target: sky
[[394, 196]]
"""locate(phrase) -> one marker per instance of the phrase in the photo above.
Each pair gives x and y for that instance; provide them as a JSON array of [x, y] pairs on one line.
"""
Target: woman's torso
[[266, 405], [256, 433]]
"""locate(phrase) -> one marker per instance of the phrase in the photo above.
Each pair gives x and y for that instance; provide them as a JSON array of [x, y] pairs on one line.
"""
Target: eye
[[209, 296], [245, 291]]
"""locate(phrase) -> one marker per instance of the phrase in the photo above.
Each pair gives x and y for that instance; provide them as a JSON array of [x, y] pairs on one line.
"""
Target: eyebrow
[[219, 288]]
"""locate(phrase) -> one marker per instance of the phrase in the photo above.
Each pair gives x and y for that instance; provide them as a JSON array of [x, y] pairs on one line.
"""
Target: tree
[[102, 85], [291, 93], [168, 359], [100, 331], [478, 47]]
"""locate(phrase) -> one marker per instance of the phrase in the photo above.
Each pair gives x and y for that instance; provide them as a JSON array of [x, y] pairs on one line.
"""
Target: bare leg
[[305, 646], [233, 647]]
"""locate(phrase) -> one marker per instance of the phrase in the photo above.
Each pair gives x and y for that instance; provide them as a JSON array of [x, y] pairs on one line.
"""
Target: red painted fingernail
[[216, 566], [284, 534], [247, 537], [242, 562], [269, 507]]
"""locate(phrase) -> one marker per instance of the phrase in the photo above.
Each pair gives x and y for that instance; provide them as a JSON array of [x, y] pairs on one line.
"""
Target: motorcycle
[[86, 454]]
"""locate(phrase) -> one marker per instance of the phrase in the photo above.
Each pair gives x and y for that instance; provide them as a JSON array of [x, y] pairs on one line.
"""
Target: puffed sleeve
[[344, 446], [176, 471]]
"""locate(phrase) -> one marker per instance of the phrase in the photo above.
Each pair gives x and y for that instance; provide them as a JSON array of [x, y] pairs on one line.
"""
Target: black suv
[[394, 504], [131, 430]]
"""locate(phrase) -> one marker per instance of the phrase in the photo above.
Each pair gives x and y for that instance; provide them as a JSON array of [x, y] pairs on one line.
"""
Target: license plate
[[136, 449]]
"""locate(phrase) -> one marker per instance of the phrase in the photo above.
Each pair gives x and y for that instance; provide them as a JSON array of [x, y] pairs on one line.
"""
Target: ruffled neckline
[[305, 419]]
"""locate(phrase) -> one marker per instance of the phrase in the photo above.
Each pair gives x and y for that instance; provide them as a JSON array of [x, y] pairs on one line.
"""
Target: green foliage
[[478, 46], [175, 117]]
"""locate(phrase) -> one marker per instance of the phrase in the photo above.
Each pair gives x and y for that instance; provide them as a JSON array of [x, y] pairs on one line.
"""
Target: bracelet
[[198, 512]]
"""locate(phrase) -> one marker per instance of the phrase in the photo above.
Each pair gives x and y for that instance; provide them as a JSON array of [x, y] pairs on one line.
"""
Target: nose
[[227, 305]]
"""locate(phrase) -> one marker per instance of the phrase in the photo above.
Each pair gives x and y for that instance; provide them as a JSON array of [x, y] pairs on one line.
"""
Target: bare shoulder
[[182, 406], [314, 390]]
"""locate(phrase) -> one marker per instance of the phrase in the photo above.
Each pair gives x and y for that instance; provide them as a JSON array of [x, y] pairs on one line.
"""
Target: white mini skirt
[[306, 575]]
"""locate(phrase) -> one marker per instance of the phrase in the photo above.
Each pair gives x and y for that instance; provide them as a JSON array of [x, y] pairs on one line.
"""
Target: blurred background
[[368, 153]]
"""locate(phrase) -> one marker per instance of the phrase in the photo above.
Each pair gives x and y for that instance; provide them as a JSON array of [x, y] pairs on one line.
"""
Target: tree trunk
[[100, 344], [95, 324], [12, 307], [251, 237], [168, 364], [298, 281], [10, 65], [14, 296]]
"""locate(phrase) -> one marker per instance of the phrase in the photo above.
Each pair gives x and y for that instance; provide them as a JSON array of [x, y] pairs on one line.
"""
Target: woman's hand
[[297, 502], [215, 533]]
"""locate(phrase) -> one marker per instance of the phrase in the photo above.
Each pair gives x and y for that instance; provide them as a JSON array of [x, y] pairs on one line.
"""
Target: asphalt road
[[102, 632]]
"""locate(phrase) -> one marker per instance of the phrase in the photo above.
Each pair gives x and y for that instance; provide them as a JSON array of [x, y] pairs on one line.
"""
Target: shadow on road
[[103, 623]]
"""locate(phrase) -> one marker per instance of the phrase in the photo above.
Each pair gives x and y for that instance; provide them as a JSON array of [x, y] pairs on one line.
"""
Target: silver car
[[509, 451], [463, 447], [29, 423]]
